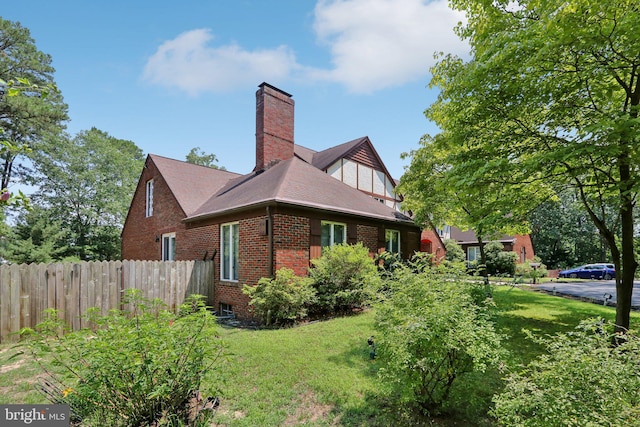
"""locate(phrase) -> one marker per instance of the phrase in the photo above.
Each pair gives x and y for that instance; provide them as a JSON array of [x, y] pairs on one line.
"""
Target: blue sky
[[171, 76]]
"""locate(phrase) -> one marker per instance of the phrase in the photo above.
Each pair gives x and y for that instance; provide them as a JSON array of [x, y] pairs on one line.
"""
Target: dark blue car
[[590, 271]]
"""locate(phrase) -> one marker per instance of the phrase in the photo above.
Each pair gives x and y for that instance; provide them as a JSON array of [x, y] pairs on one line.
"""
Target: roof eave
[[310, 206]]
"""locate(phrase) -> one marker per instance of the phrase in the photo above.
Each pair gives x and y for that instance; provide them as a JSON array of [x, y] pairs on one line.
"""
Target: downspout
[[270, 240]]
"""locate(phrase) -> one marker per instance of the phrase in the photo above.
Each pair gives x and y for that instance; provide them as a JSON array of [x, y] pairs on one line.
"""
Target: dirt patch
[[11, 366], [309, 410]]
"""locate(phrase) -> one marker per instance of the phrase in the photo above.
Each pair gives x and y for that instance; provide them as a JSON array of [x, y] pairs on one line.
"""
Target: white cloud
[[379, 43], [188, 63], [374, 44]]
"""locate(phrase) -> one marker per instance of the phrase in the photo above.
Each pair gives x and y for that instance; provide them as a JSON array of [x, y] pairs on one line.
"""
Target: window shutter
[[315, 226], [315, 231], [382, 240], [352, 233]]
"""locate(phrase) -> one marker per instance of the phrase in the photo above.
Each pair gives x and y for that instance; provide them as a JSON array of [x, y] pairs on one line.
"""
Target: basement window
[[225, 309]]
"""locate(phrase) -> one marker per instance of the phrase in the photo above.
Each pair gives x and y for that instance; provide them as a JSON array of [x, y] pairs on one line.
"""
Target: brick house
[[294, 202], [519, 243]]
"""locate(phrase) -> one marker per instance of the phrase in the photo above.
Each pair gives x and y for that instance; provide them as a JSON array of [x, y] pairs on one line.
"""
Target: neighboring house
[[295, 202], [519, 243], [431, 243]]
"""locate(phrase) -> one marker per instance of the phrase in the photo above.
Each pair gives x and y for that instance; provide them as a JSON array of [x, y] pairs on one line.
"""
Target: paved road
[[598, 290]]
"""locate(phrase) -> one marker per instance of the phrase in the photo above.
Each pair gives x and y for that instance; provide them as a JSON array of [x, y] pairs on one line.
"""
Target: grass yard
[[320, 374]]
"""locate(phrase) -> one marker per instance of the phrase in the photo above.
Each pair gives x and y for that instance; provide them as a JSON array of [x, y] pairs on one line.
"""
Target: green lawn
[[320, 374]]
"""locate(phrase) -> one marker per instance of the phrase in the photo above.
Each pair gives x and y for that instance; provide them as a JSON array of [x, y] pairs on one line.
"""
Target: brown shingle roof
[[298, 183], [469, 237], [191, 184]]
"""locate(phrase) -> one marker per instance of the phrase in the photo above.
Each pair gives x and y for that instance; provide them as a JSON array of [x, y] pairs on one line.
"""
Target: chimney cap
[[263, 84]]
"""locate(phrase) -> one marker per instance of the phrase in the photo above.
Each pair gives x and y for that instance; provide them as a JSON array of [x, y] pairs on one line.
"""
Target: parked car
[[590, 271]]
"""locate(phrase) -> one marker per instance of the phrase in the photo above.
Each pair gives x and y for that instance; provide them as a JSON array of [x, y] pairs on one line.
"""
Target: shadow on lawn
[[377, 409]]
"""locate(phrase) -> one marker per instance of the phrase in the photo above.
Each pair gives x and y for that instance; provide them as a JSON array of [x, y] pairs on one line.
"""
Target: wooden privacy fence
[[26, 290]]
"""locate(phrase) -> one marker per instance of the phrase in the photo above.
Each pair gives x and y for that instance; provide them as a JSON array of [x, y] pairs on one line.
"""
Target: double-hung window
[[333, 233], [392, 238], [169, 247], [229, 243], [149, 199]]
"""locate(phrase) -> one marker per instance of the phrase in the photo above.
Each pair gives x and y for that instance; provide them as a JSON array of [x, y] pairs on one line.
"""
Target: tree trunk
[[624, 284], [482, 266]]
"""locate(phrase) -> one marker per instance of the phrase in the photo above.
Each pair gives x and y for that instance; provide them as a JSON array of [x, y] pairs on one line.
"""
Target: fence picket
[[27, 290]]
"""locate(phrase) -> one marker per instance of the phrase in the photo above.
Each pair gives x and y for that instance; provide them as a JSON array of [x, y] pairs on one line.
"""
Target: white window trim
[[172, 248], [476, 249], [397, 233], [226, 270], [149, 198], [332, 240]]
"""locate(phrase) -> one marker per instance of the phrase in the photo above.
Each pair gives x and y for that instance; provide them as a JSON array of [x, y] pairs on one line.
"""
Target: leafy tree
[[35, 238], [563, 234], [86, 184], [198, 157], [452, 182], [24, 120], [551, 95]]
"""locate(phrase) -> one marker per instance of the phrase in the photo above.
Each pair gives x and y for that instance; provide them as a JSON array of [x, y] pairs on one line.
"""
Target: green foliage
[[86, 184], [30, 106], [547, 99], [525, 269], [435, 335], [198, 157], [582, 380], [138, 368], [343, 277], [282, 299], [455, 253], [499, 261], [36, 238], [564, 235]]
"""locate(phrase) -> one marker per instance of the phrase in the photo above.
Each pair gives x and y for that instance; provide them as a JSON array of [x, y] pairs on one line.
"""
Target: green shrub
[[582, 380], [434, 338], [282, 299], [499, 261], [139, 368], [343, 277], [525, 270], [455, 253]]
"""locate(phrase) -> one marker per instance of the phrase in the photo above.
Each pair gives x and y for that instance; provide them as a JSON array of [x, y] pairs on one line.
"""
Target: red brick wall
[[139, 233], [198, 242], [523, 242], [274, 126], [368, 235], [291, 242], [431, 243], [252, 265]]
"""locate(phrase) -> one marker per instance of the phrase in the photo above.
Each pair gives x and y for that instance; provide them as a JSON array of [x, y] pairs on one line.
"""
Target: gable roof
[[296, 183], [191, 184], [359, 147]]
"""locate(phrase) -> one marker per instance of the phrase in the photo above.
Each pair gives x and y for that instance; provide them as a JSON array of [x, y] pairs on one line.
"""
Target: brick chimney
[[274, 126]]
